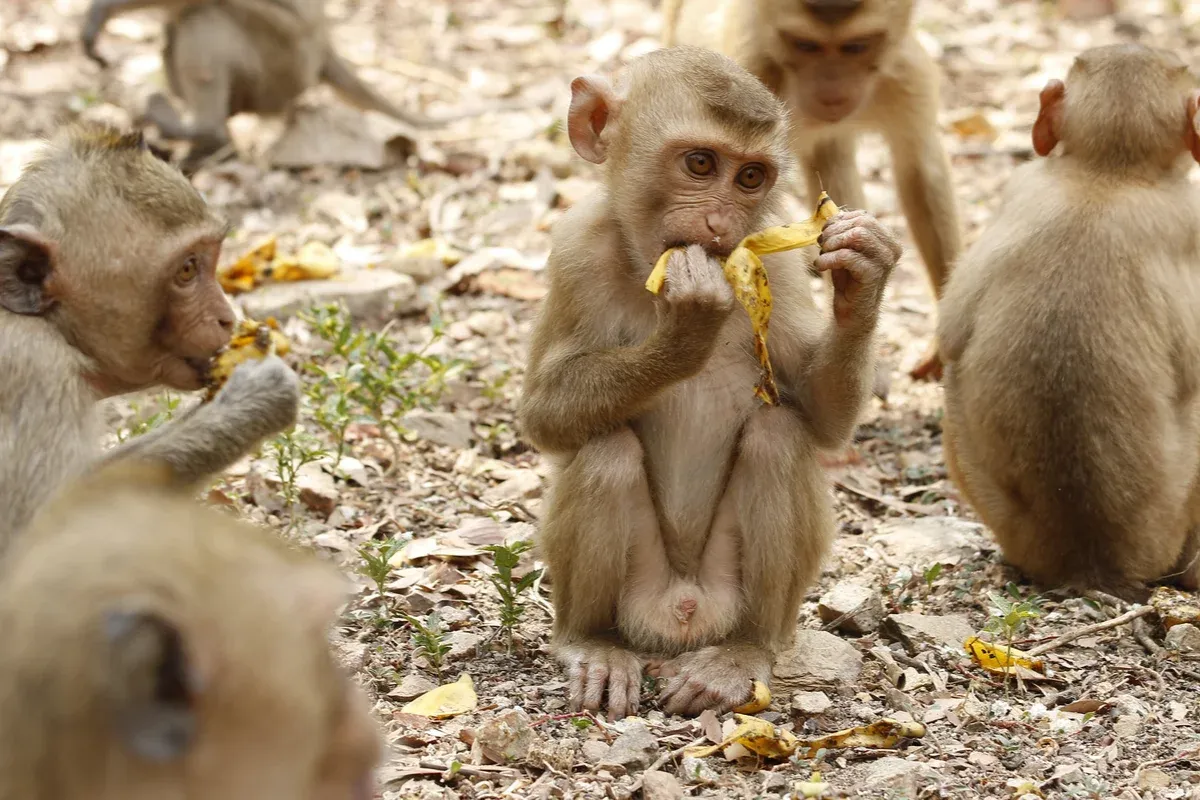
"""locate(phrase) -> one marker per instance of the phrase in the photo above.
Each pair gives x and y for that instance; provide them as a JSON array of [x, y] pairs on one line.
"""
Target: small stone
[[351, 656], [506, 738], [352, 470], [982, 759], [917, 630], [462, 644], [439, 427], [421, 269], [525, 483], [811, 704], [412, 686], [488, 323], [1127, 726], [697, 772], [816, 660], [634, 749], [925, 541], [864, 605], [367, 293], [660, 786], [317, 489], [1152, 778], [1184, 638], [892, 772], [594, 751]]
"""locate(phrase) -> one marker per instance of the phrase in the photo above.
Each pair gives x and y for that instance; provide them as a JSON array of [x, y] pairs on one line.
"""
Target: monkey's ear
[[26, 265], [152, 685], [594, 106], [1048, 127], [1191, 135]]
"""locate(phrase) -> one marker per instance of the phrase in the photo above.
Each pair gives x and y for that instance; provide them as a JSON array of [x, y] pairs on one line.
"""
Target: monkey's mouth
[[201, 366], [717, 248]]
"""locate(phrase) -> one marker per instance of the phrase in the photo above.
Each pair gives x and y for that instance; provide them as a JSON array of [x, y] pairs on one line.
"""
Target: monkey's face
[[833, 76], [704, 192]]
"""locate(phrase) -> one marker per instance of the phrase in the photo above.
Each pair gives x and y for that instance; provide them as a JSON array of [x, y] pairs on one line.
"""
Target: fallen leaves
[[746, 274], [1175, 607], [264, 264], [445, 701]]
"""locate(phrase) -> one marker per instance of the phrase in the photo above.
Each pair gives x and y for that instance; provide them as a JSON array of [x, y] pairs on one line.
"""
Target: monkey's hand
[[861, 253], [719, 677], [696, 291], [264, 395], [593, 666]]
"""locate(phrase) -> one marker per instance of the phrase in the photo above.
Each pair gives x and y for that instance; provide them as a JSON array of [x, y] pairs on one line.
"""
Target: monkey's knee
[[770, 435], [613, 462]]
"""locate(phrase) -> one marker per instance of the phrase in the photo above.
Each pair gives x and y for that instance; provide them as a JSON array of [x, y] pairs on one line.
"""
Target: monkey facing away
[[156, 648], [844, 67], [226, 57], [686, 518], [1072, 340], [108, 285]]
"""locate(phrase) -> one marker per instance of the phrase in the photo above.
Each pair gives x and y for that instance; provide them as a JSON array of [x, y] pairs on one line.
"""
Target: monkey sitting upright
[[686, 518], [226, 57], [108, 285], [1071, 334], [154, 648]]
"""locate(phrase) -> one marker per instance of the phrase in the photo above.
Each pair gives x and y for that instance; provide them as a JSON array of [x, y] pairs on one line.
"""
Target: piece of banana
[[746, 274], [252, 341]]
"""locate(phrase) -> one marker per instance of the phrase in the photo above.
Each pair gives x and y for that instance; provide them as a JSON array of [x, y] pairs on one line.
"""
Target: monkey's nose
[[718, 223]]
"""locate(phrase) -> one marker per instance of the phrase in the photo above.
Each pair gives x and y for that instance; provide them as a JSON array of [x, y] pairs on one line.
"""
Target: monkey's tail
[[346, 82]]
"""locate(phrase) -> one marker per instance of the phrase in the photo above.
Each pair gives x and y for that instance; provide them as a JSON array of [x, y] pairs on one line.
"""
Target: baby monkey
[[1072, 339], [155, 648], [686, 518]]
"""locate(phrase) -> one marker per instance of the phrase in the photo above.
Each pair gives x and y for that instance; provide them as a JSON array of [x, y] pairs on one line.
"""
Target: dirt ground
[[436, 471]]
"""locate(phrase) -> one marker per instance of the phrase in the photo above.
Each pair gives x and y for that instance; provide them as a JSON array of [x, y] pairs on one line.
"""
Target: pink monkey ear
[[1048, 127], [1191, 136], [594, 107]]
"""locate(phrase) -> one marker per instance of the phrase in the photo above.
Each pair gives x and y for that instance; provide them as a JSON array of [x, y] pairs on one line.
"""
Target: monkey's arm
[[826, 374], [260, 399], [101, 11]]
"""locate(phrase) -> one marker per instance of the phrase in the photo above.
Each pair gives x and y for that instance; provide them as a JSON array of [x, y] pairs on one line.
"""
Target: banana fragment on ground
[[252, 341], [759, 702], [746, 274], [769, 741]]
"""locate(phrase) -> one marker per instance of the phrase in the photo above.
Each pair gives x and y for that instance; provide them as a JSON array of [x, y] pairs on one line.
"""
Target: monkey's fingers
[[658, 275], [594, 682], [624, 688]]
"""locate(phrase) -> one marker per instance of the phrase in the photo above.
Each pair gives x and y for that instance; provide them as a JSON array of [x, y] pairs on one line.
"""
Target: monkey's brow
[[720, 147]]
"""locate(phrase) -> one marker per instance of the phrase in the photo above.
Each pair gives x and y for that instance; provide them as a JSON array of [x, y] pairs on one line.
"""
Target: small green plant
[[931, 574], [505, 559], [332, 405], [377, 565], [428, 638], [292, 450], [1010, 615], [164, 406]]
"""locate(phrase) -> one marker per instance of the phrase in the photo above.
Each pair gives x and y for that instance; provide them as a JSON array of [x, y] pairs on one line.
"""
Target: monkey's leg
[[596, 505], [202, 75], [777, 502], [922, 173], [261, 398]]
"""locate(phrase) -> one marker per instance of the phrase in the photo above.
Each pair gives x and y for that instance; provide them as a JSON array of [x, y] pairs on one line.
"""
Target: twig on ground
[[1135, 613], [1186, 754], [1142, 634]]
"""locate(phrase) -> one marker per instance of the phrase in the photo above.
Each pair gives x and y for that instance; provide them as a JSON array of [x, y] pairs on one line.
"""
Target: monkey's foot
[[719, 678], [594, 666], [930, 366]]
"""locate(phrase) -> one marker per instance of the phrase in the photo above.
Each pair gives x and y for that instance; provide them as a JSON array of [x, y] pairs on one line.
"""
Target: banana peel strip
[[758, 703], [251, 341], [764, 739], [746, 274], [264, 263], [1000, 658]]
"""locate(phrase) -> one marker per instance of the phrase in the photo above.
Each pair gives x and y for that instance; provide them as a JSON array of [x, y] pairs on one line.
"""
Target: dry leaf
[[1085, 706], [746, 274], [975, 125], [882, 734], [445, 701], [759, 702], [999, 658], [520, 284]]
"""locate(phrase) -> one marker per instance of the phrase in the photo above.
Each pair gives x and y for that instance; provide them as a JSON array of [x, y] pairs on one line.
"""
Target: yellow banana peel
[[746, 274], [759, 702], [252, 341]]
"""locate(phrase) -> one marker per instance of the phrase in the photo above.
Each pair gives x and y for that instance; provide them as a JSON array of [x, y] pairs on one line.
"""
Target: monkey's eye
[[752, 176], [701, 162], [855, 48], [805, 45], [188, 271]]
